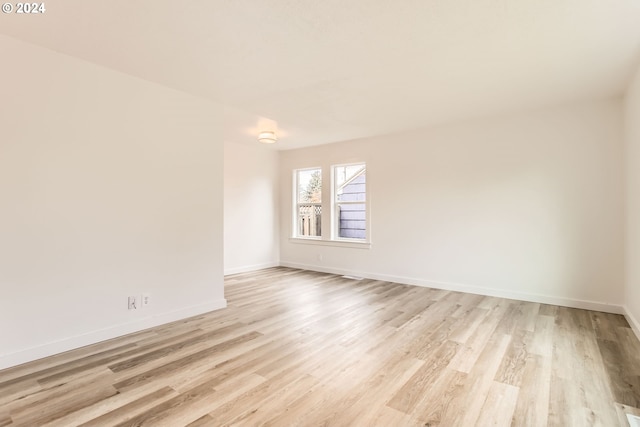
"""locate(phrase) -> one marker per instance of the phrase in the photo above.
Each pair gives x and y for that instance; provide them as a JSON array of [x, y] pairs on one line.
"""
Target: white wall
[[528, 206], [251, 224], [632, 155], [110, 186]]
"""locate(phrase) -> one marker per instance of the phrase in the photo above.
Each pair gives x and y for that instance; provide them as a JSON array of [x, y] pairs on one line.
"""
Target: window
[[350, 201], [348, 216], [308, 207]]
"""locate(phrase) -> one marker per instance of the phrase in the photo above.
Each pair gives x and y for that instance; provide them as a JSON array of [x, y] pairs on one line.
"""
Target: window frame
[[335, 206], [327, 221], [296, 204]]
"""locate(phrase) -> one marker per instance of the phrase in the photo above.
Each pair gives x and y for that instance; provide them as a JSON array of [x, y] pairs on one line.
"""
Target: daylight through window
[[308, 202], [350, 201]]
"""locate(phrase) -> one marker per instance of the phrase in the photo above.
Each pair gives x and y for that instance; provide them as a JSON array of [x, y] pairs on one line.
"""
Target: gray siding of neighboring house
[[353, 216]]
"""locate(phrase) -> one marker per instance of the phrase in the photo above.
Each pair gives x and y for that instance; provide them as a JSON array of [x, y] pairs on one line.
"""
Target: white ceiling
[[330, 70]]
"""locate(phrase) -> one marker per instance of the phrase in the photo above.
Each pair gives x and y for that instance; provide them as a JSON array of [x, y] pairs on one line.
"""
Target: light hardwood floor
[[303, 348]]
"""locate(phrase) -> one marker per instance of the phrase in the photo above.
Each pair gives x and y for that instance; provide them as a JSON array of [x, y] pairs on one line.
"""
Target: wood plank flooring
[[299, 348]]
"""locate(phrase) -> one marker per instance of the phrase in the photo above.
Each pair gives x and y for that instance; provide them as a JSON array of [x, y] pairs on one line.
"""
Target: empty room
[[304, 213]]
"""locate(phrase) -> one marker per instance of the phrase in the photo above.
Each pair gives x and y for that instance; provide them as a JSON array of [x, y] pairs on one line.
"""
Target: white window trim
[[329, 239], [335, 204], [296, 205], [341, 243]]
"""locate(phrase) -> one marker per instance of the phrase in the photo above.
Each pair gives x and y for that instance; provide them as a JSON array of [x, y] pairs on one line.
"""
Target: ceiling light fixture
[[267, 137]]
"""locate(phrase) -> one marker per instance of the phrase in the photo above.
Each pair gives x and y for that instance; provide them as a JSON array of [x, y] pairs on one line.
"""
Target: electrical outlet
[[133, 303], [145, 300]]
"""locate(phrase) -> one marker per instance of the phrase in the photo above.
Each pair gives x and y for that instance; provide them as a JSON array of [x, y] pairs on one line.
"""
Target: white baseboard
[[471, 289], [248, 268], [635, 323], [93, 337]]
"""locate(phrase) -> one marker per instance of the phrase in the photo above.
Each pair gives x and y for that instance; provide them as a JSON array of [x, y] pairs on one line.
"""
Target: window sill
[[336, 243]]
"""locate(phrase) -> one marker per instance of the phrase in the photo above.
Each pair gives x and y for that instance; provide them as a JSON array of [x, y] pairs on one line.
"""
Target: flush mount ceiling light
[[267, 137]]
